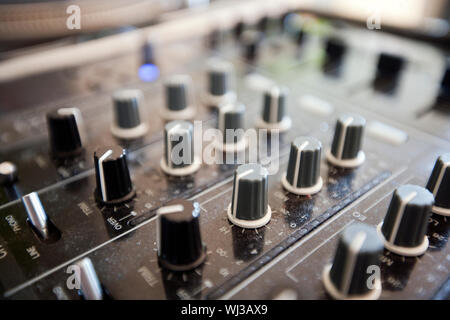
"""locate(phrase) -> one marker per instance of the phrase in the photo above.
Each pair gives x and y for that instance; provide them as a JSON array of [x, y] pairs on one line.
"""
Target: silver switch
[[89, 284], [36, 213]]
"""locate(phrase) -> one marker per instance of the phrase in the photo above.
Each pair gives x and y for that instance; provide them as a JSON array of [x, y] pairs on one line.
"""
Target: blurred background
[[41, 38], [26, 23]]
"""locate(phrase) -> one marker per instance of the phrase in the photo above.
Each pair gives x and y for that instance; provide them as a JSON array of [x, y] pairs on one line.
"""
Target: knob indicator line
[[345, 123], [355, 247], [236, 186], [401, 211], [439, 185], [102, 174], [297, 164], [274, 98], [441, 177]]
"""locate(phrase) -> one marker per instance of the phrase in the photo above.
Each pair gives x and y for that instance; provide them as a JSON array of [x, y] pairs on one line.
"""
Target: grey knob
[[178, 100], [405, 224], [127, 120], [36, 214], [303, 172], [8, 173], [274, 110], [90, 286], [249, 206], [439, 185], [219, 91], [179, 157], [355, 271], [347, 142], [231, 126]]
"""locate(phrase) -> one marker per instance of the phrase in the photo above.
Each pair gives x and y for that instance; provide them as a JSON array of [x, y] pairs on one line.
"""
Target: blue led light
[[148, 72]]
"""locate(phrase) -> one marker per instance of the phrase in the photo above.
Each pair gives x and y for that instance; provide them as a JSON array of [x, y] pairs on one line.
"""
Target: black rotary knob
[[388, 72], [405, 224], [219, 90], [178, 100], [8, 173], [65, 131], [274, 110], [439, 185], [238, 29], [249, 206], [347, 142], [303, 172], [113, 177], [231, 126], [334, 55], [179, 156], [127, 120], [354, 273], [445, 82], [179, 240], [251, 40]]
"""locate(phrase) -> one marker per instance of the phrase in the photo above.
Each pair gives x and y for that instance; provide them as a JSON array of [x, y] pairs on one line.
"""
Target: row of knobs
[[402, 231], [388, 66], [66, 131], [357, 256], [65, 125], [67, 135], [179, 241], [302, 177], [180, 246], [66, 139]]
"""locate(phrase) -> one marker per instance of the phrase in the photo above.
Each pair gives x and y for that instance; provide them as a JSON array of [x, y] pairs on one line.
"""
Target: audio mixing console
[[359, 133]]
